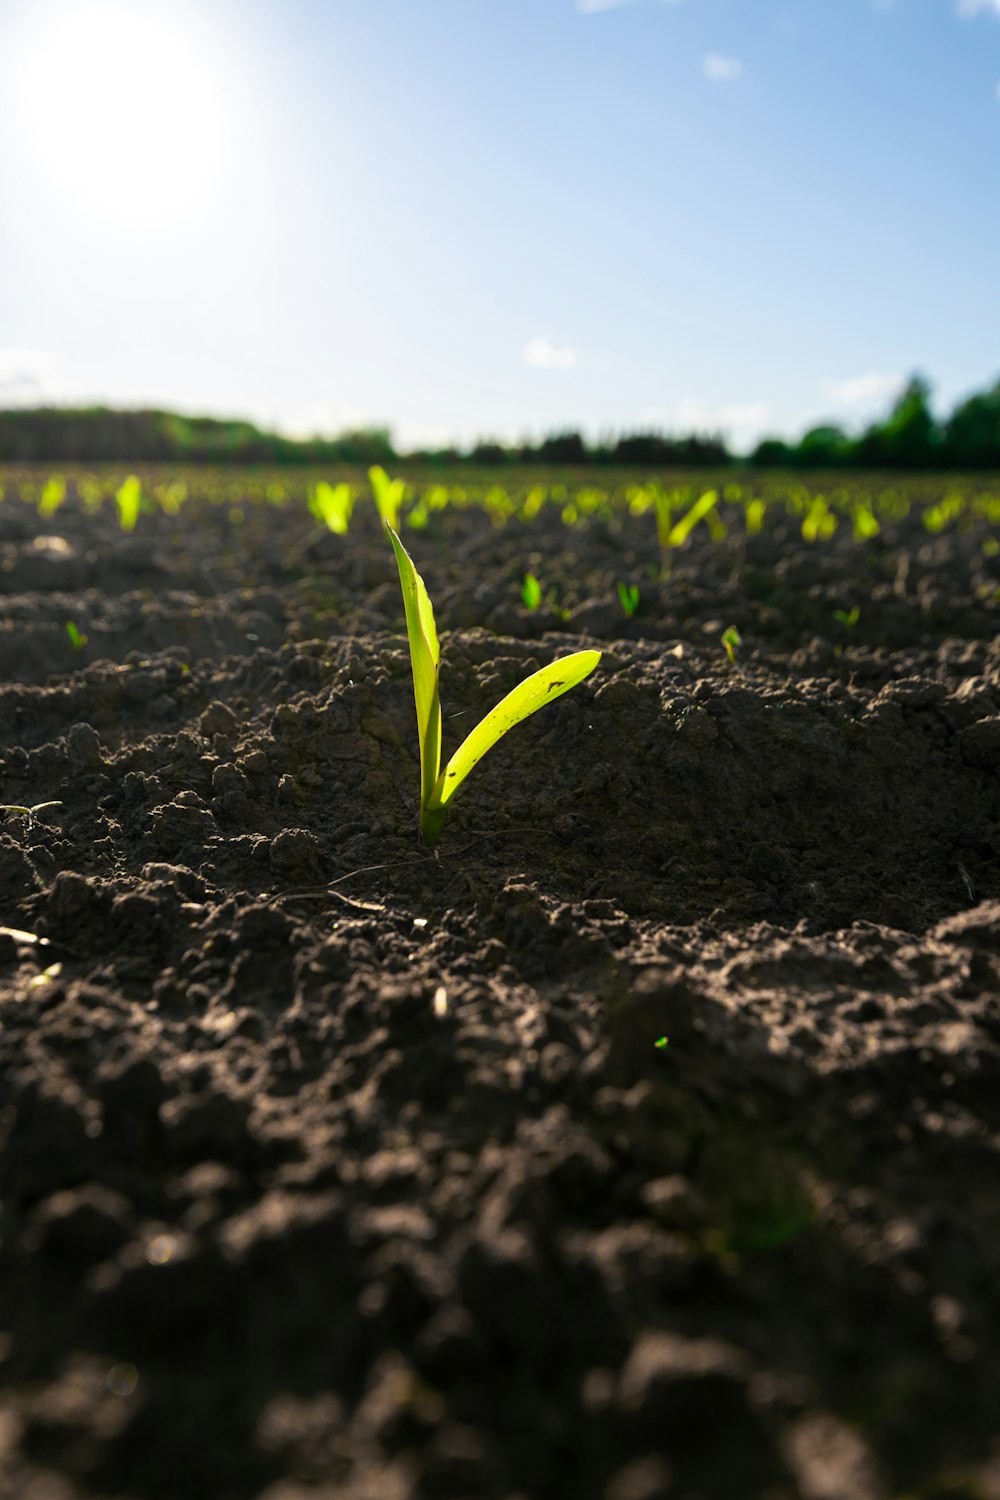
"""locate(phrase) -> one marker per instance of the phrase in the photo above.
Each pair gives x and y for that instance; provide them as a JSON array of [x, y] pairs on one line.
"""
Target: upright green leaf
[[53, 496], [388, 495], [129, 499], [425, 654], [332, 505]]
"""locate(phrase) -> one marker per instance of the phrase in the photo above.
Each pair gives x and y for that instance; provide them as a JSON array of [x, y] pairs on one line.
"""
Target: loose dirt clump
[[640, 1141]]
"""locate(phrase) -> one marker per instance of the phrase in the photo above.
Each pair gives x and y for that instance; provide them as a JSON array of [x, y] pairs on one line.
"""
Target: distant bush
[[101, 434]]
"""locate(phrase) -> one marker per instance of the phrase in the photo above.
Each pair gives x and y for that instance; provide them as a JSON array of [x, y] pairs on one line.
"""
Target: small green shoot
[[863, 522], [53, 495], [628, 594], [755, 517], [28, 813], [820, 522], [128, 500], [701, 510], [332, 505], [663, 503], [662, 1044], [76, 637], [731, 638], [388, 495], [437, 787], [531, 592], [848, 617]]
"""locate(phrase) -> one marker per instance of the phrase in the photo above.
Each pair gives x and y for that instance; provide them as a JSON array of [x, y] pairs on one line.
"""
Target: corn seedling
[[847, 617], [628, 594], [731, 639], [76, 637], [820, 523], [331, 505], [531, 592], [388, 495], [703, 509], [672, 533], [664, 520], [28, 813], [755, 517], [53, 495], [438, 788], [863, 522], [128, 500]]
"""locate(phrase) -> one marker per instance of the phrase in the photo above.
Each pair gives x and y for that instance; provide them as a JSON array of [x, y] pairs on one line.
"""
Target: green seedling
[[864, 524], [76, 637], [28, 813], [731, 638], [628, 594], [819, 522], [531, 592], [128, 500], [388, 495], [663, 503], [53, 495], [755, 517], [703, 509], [672, 533], [438, 788], [847, 617], [331, 505]]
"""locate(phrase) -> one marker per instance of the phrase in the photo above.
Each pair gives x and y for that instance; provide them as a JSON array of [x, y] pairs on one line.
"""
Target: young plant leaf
[[332, 505], [531, 592], [438, 790], [699, 510], [388, 495], [731, 638], [527, 698], [129, 500], [425, 654], [628, 595]]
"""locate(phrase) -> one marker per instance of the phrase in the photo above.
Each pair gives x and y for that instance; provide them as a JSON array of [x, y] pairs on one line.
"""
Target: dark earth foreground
[[333, 1167]]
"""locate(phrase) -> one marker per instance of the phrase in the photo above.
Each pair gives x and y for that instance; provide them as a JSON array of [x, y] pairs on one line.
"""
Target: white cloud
[[861, 390], [26, 375], [546, 355], [978, 7], [721, 69]]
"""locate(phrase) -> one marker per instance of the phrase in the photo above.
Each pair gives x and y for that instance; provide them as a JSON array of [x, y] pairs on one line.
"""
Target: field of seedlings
[[636, 1139]]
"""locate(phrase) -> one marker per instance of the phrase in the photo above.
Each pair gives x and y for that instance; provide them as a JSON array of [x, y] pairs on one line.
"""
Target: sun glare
[[125, 115]]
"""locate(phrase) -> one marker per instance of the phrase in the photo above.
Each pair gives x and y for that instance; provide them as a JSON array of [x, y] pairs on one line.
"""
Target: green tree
[[972, 432], [909, 438]]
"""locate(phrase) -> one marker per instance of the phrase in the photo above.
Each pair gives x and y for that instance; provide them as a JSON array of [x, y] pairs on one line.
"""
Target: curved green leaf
[[530, 695], [699, 510]]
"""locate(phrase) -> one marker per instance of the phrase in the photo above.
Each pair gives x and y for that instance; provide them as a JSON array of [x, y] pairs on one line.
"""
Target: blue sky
[[500, 217]]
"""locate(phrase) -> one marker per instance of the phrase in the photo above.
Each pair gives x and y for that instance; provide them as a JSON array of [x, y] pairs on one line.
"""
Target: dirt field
[[333, 1167]]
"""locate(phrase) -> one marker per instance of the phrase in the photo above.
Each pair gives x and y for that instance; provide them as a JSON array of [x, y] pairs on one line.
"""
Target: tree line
[[909, 437]]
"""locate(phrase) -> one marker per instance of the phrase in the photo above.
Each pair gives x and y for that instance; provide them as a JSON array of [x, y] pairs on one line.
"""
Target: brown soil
[[333, 1167]]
